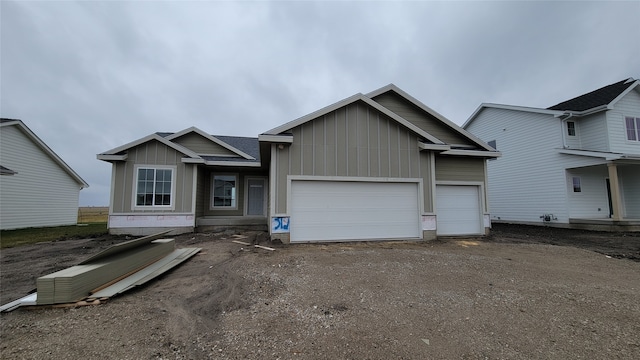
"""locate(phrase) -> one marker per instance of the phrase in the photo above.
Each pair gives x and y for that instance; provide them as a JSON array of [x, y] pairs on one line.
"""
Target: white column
[[616, 200]]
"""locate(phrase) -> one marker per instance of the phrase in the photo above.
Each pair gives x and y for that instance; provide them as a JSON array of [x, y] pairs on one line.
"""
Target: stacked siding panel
[[77, 282]]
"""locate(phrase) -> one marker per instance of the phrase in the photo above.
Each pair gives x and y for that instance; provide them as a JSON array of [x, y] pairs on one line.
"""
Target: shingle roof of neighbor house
[[599, 97]]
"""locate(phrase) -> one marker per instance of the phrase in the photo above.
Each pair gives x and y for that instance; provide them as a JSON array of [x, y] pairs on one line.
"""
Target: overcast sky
[[90, 76]]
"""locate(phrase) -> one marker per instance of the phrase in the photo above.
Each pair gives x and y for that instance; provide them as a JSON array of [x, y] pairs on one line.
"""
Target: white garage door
[[458, 210], [345, 210]]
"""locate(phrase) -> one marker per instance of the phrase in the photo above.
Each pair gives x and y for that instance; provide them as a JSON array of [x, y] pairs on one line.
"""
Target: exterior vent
[[548, 217]]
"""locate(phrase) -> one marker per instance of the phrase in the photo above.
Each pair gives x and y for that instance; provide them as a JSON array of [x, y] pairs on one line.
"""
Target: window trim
[[574, 127], [579, 183], [171, 206], [636, 123], [212, 197]]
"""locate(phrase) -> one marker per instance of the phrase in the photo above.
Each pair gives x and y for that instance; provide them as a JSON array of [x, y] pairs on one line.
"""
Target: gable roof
[[425, 108], [600, 97], [211, 138], [44, 147], [368, 100], [247, 149]]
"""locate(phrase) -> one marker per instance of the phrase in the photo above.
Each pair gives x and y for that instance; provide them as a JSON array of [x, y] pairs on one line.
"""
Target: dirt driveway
[[510, 296]]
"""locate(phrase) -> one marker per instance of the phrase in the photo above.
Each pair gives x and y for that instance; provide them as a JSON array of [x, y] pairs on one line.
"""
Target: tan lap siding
[[452, 168]]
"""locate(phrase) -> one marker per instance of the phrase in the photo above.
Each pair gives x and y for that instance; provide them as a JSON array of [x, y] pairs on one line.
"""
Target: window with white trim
[[633, 128], [154, 187], [571, 128], [225, 190], [577, 187]]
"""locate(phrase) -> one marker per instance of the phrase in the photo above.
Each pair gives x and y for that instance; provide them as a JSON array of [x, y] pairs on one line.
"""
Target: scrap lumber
[[265, 247], [240, 242]]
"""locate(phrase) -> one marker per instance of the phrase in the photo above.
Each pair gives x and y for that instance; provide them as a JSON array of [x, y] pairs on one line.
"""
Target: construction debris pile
[[110, 272]]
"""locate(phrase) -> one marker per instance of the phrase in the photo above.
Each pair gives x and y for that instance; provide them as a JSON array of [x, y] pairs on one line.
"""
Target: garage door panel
[[338, 210], [458, 210]]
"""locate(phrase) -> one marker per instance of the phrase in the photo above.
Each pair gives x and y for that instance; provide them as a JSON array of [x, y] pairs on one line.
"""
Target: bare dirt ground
[[522, 293]]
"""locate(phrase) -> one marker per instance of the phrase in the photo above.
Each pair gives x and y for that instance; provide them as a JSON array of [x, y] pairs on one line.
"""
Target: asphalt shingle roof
[[599, 97], [247, 145]]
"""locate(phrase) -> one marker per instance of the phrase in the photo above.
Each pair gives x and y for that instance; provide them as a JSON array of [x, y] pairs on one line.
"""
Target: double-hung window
[[224, 192], [154, 187], [633, 128]]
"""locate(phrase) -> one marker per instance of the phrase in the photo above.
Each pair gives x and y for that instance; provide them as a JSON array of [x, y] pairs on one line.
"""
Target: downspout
[[564, 133]]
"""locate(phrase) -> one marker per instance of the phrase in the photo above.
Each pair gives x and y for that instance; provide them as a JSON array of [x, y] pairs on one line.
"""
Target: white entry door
[[353, 210], [458, 210]]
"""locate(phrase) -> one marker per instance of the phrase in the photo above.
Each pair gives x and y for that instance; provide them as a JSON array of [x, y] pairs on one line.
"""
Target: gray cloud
[[90, 76]]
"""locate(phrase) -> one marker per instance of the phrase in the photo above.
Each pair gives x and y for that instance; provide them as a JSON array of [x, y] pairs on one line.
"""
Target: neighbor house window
[[224, 191], [633, 128], [576, 184], [571, 128], [154, 186]]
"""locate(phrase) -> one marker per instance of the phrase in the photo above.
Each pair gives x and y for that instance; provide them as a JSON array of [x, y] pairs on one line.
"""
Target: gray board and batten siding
[[152, 153], [200, 145], [352, 141], [419, 118]]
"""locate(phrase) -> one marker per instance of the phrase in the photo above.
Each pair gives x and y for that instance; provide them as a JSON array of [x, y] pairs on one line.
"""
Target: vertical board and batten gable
[[355, 140], [151, 153], [421, 119], [41, 193], [629, 105], [201, 145], [592, 132]]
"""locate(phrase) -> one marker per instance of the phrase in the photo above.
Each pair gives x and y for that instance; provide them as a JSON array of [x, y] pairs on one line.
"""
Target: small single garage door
[[346, 210], [458, 210]]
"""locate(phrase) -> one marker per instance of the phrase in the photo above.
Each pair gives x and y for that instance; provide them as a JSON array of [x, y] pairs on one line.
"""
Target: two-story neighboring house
[[574, 164]]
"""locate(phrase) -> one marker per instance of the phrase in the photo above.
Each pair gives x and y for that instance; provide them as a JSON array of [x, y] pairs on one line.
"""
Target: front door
[[256, 197]]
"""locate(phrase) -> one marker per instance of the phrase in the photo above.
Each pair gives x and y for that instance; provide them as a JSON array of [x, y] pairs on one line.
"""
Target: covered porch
[[605, 196]]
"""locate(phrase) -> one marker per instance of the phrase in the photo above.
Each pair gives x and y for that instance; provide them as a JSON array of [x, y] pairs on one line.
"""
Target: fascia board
[[435, 147], [147, 138], [433, 113], [107, 157], [41, 144], [601, 155], [286, 139], [233, 163], [290, 125], [211, 138], [480, 153], [401, 120], [301, 120], [192, 161]]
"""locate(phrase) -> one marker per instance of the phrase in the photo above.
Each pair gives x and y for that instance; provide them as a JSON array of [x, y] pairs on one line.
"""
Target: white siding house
[[573, 164], [37, 188]]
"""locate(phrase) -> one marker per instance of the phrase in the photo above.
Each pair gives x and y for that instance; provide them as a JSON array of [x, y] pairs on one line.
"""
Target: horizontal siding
[[627, 106], [418, 117], [592, 131], [41, 193], [529, 180], [152, 153], [592, 202]]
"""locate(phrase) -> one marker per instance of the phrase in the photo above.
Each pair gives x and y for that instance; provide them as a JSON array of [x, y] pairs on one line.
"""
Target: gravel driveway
[[458, 299]]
